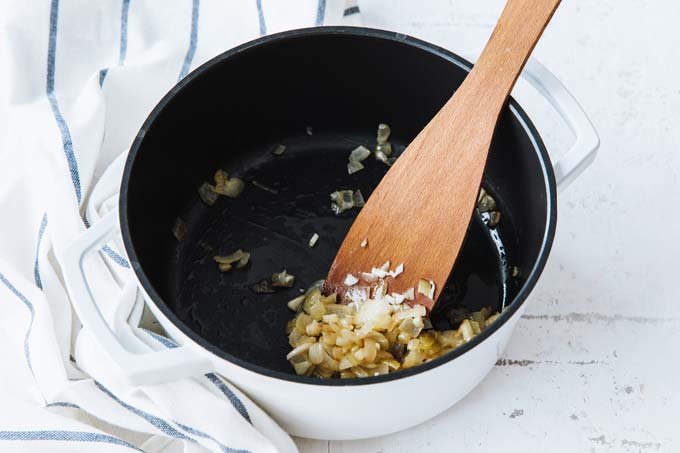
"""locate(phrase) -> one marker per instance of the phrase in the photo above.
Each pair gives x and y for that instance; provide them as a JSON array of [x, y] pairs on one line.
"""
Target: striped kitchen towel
[[77, 79]]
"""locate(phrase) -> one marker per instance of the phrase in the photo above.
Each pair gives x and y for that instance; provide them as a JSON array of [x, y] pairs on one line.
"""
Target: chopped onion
[[466, 331], [364, 243], [300, 349], [265, 188], [221, 177], [398, 298], [415, 311], [313, 240], [384, 148], [342, 201], [283, 280], [383, 133], [316, 354], [359, 154], [379, 155], [350, 280], [358, 199], [397, 271], [296, 303], [346, 199], [316, 285], [494, 218], [207, 193], [485, 203], [426, 287], [357, 295], [237, 260], [368, 277], [232, 188], [179, 229], [409, 294], [338, 309], [381, 272], [380, 289], [354, 166], [232, 258], [243, 261], [279, 149], [263, 287], [375, 334]]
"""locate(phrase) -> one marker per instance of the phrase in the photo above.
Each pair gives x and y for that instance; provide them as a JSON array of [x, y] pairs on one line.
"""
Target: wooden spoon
[[420, 212]]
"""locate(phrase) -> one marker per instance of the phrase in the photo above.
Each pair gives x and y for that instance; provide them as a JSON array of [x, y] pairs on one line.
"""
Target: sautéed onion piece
[[179, 229], [229, 187], [343, 200], [283, 279], [236, 260], [377, 333], [279, 150]]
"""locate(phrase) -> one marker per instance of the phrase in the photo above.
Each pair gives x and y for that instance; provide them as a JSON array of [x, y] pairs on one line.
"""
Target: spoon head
[[420, 212]]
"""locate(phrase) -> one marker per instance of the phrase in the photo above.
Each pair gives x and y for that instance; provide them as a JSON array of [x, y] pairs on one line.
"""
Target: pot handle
[[582, 152], [136, 369]]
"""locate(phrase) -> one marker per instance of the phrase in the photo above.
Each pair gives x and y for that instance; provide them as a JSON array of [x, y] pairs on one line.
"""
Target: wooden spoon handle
[[520, 26], [419, 213]]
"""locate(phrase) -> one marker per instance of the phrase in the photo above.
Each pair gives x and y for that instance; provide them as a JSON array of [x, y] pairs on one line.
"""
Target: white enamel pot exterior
[[361, 408]]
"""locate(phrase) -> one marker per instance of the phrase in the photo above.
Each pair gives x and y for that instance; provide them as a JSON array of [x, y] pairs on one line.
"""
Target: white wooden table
[[593, 365]]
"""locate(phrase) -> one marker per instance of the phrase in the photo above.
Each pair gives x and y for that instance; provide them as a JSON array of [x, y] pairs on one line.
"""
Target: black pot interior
[[232, 112]]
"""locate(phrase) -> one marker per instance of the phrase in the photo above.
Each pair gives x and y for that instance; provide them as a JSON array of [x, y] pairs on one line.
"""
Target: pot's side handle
[[583, 151], [137, 369]]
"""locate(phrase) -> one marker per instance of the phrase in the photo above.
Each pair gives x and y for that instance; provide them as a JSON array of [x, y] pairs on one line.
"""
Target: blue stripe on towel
[[260, 15], [36, 264], [159, 423], [122, 50], [29, 305], [212, 377], [320, 12], [193, 38], [168, 343], [164, 426], [116, 257], [63, 128], [72, 436], [231, 396], [63, 404], [198, 433]]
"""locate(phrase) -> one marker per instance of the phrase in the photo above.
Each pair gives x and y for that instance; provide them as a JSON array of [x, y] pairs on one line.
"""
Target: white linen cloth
[[77, 79]]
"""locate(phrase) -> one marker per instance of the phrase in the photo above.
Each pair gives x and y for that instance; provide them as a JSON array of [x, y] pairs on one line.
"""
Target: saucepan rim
[[369, 33]]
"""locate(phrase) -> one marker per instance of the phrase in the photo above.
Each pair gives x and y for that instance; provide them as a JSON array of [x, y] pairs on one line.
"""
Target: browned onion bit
[[237, 260], [283, 280], [263, 287], [207, 193], [179, 229], [375, 336], [279, 149]]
